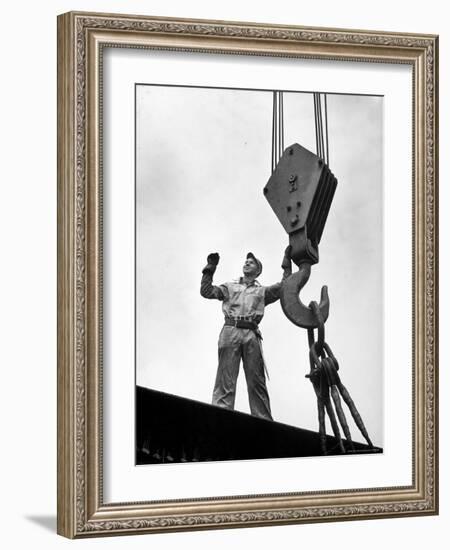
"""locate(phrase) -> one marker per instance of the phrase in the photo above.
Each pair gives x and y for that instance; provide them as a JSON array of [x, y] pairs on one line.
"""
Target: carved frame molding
[[81, 37]]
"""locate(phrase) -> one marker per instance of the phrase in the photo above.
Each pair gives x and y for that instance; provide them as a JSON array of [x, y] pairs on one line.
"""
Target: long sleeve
[[272, 292], [210, 291]]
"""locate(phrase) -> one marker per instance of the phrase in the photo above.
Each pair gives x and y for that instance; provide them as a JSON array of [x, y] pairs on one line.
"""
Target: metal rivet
[[294, 220], [289, 208], [292, 178]]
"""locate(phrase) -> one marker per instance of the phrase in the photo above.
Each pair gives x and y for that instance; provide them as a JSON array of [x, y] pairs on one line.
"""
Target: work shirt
[[239, 298]]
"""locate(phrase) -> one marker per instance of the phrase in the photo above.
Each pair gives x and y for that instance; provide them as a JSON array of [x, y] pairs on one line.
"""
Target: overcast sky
[[203, 158]]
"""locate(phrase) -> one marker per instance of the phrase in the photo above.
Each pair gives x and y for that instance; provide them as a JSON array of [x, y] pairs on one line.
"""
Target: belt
[[240, 323]]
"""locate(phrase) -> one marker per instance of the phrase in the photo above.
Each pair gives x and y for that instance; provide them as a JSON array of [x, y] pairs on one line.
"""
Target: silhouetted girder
[[175, 429]]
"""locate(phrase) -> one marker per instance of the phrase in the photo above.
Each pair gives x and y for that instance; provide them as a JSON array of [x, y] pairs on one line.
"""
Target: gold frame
[[81, 37]]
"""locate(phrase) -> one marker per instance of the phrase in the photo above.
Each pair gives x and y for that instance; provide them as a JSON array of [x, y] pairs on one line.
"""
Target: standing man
[[243, 303]]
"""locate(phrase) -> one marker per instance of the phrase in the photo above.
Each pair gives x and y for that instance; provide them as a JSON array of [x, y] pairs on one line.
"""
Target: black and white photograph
[[258, 273]]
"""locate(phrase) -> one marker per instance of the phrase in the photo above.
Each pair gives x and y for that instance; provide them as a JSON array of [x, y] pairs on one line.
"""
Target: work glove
[[211, 263], [286, 264]]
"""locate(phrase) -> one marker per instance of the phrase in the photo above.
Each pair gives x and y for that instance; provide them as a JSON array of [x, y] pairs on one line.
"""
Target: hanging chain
[[325, 380]]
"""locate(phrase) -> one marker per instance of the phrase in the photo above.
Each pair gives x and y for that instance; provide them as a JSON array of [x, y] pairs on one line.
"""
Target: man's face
[[250, 268]]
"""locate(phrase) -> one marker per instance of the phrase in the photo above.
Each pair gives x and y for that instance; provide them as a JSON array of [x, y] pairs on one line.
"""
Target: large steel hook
[[294, 309], [300, 192]]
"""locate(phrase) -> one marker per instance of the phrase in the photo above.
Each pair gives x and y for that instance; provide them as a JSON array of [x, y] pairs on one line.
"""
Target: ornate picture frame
[[82, 509]]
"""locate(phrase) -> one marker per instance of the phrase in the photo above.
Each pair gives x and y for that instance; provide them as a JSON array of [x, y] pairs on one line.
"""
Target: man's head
[[252, 266]]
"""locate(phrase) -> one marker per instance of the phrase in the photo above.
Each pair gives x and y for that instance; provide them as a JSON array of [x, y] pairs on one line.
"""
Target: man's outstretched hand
[[286, 264]]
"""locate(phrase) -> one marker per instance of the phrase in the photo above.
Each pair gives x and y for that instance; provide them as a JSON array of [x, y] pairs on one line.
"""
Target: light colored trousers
[[234, 344]]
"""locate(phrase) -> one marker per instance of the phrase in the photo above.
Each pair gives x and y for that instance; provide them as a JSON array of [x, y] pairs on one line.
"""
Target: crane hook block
[[300, 192]]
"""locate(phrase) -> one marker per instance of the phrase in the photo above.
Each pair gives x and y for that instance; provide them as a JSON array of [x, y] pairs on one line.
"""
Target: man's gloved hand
[[286, 264], [212, 261]]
